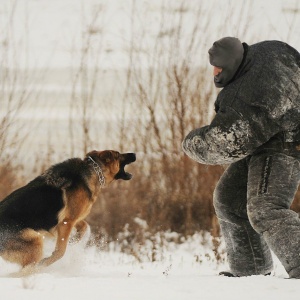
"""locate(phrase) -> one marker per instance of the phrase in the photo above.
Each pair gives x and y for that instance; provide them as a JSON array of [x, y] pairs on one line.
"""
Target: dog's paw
[[27, 271], [80, 237]]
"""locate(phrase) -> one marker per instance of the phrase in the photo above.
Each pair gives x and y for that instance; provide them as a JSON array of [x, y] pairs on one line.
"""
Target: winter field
[[45, 47]]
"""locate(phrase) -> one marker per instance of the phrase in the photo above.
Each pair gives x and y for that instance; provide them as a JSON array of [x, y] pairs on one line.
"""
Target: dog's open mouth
[[128, 158]]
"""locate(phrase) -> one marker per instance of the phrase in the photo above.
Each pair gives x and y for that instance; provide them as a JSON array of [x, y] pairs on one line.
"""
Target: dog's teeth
[[65, 222]]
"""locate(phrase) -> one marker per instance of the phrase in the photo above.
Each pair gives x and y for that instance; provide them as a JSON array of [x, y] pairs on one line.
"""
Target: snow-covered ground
[[186, 271]]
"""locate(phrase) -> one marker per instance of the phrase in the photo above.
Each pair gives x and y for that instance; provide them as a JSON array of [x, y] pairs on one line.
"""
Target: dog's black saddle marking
[[37, 204]]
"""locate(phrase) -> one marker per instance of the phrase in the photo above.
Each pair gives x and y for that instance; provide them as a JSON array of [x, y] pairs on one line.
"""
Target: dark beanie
[[226, 53]]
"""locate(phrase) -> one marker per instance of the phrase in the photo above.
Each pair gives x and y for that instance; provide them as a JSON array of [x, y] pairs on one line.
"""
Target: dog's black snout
[[130, 157]]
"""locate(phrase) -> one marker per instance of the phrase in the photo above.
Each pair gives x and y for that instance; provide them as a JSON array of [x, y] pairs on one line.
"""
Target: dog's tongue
[[128, 175]]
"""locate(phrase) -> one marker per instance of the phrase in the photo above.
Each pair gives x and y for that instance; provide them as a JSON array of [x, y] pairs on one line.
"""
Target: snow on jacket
[[260, 103]]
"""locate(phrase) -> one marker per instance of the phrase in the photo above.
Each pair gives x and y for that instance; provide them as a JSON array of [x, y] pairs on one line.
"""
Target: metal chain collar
[[98, 171]]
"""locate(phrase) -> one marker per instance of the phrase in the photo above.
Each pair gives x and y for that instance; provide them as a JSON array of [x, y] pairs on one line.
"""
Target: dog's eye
[[115, 155], [106, 156]]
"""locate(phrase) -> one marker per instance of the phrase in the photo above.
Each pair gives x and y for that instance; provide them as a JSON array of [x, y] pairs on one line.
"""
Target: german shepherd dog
[[56, 201]]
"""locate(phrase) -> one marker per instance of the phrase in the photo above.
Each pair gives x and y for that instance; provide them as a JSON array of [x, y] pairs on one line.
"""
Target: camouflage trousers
[[252, 201]]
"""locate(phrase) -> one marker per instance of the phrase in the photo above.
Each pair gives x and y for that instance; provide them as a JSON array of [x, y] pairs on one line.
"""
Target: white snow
[[185, 271]]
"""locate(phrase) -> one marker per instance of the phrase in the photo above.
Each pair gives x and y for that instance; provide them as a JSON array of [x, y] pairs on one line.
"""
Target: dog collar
[[99, 172]]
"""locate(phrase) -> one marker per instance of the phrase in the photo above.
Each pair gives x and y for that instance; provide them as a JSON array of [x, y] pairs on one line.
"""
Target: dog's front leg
[[64, 229]]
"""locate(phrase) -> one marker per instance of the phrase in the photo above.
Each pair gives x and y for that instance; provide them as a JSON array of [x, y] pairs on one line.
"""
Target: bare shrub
[[83, 104], [16, 95], [9, 179], [169, 98]]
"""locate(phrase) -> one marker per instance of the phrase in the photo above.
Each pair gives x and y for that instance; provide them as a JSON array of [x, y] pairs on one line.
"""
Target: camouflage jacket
[[258, 110]]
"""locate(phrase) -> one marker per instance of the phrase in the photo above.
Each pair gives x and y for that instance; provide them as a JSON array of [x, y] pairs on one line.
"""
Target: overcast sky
[[43, 33]]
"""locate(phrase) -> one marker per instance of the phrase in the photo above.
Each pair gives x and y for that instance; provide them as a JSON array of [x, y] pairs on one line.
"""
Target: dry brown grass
[[10, 179], [178, 204]]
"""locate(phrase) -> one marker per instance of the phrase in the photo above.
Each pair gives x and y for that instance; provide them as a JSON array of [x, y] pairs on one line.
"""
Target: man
[[256, 130]]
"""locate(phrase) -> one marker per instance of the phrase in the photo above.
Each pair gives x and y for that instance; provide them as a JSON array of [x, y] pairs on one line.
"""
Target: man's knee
[[267, 214], [264, 213], [222, 204], [218, 200]]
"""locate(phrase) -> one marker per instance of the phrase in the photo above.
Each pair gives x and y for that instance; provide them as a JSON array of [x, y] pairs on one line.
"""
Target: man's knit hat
[[226, 53]]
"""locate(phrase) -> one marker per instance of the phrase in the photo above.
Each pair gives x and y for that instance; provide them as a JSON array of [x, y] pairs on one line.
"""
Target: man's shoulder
[[268, 43], [272, 45]]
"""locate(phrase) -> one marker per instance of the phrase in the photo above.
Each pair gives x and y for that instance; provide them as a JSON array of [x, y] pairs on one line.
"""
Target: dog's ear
[[106, 156]]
